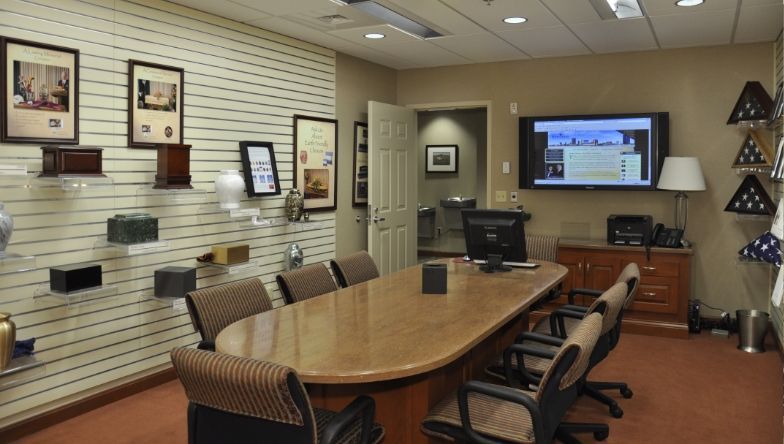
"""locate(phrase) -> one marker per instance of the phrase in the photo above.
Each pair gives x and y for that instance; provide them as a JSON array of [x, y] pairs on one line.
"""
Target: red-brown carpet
[[702, 390]]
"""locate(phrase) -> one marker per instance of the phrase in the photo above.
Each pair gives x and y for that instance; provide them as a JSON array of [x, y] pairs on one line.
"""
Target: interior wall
[[357, 82], [697, 86], [466, 128], [241, 83]]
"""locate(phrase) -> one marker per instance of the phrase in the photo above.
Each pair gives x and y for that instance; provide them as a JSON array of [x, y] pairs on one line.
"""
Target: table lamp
[[681, 174]]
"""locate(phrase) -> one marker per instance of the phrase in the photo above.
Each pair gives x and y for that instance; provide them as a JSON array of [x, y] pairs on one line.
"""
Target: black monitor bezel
[[516, 215]]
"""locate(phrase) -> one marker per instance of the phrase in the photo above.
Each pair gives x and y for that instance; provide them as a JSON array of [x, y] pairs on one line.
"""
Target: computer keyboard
[[510, 264]]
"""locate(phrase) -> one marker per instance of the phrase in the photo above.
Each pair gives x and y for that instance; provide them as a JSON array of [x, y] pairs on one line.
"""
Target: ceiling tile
[[759, 23], [491, 17], [695, 29], [283, 7], [224, 9], [546, 42], [437, 13], [668, 7], [760, 2], [480, 48], [616, 35], [423, 53], [570, 11], [299, 31], [357, 35]]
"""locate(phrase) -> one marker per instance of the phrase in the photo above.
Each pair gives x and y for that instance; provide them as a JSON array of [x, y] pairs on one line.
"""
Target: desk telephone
[[666, 237]]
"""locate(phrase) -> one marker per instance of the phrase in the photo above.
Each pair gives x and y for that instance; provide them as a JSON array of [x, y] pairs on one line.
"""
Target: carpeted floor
[[702, 390]]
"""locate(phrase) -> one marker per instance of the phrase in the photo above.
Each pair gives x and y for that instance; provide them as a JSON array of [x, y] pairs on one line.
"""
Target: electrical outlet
[[513, 196], [500, 196]]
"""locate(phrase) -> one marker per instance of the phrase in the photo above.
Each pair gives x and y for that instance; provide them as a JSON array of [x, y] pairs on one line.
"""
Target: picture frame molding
[[246, 168], [132, 102], [456, 155], [334, 180]]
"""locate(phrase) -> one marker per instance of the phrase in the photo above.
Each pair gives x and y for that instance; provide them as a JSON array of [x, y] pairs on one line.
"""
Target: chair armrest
[[499, 392], [557, 326], [583, 291], [580, 308], [525, 376], [362, 407], [538, 337], [206, 345]]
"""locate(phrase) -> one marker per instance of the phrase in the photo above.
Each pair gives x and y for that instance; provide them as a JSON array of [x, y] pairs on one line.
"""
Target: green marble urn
[[133, 228]]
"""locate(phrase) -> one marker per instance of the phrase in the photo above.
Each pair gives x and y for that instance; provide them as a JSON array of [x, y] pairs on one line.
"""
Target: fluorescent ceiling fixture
[[374, 35], [339, 2], [395, 19], [689, 2], [617, 9], [515, 20]]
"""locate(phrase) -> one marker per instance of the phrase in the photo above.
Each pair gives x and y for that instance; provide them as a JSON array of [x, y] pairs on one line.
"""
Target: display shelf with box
[[13, 263], [20, 370], [73, 183], [65, 161], [242, 267], [84, 296], [230, 254], [174, 282], [176, 304], [133, 249], [173, 167], [132, 228], [146, 195]]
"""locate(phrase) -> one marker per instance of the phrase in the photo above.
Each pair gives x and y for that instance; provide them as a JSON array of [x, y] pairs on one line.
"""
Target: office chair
[[304, 283], [241, 400], [545, 248], [481, 412], [212, 309], [354, 268]]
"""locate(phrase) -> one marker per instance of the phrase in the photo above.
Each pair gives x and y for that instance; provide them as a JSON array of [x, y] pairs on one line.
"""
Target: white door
[[392, 168]]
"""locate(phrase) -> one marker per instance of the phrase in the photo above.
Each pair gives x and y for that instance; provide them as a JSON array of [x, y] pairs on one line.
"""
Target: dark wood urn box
[[68, 161], [173, 166]]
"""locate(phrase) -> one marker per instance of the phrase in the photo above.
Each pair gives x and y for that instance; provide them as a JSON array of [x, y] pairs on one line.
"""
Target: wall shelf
[[752, 170], [753, 217], [185, 195], [86, 295], [745, 260], [133, 249], [20, 370], [13, 263], [74, 183], [176, 304], [243, 267]]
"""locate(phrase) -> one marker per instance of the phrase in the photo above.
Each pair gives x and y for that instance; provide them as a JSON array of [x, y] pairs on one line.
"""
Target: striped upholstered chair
[[483, 413], [212, 309], [354, 268], [544, 248], [304, 283], [241, 400]]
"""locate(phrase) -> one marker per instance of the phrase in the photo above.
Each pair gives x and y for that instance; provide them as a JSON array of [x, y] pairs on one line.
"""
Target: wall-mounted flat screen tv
[[593, 152]]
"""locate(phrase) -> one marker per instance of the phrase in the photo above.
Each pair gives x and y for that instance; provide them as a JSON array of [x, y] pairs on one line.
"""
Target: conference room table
[[387, 339]]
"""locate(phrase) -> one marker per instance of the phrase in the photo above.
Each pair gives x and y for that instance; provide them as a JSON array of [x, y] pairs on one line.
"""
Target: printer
[[625, 229]]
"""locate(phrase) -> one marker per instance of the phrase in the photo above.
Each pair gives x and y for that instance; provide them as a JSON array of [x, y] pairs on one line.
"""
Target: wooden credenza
[[660, 308]]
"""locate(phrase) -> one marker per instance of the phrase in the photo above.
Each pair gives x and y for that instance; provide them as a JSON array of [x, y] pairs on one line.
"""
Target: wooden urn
[[173, 167], [70, 161]]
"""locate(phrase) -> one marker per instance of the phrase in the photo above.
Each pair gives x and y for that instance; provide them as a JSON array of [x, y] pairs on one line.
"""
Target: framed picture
[[261, 172], [360, 182], [316, 161], [155, 104], [40, 93], [441, 159]]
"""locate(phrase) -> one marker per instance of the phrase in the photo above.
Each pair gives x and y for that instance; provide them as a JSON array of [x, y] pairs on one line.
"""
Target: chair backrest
[[235, 399], [630, 275], [354, 268], [213, 308], [542, 247], [614, 299], [306, 282]]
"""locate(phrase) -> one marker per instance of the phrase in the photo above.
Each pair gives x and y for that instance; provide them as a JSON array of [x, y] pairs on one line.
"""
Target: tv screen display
[[612, 151]]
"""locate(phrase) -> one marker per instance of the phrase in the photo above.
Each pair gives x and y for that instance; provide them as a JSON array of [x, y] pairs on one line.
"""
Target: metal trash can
[[752, 327]]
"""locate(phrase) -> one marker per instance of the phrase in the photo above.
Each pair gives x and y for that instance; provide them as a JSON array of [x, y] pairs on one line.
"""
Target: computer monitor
[[494, 236]]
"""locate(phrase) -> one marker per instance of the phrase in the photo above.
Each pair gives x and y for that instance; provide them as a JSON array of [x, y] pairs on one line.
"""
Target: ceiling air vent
[[334, 19]]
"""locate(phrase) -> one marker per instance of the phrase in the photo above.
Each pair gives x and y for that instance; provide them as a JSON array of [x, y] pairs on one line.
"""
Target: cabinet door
[[573, 261], [601, 270]]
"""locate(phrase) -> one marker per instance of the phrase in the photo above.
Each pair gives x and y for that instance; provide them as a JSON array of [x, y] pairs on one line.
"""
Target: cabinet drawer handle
[[588, 267], [648, 293], [649, 268], [580, 266]]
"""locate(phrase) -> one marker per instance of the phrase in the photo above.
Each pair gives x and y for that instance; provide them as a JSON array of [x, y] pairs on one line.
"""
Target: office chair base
[[591, 390], [567, 429], [624, 389]]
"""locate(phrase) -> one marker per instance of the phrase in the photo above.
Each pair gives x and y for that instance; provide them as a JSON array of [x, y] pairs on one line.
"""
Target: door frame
[[469, 104]]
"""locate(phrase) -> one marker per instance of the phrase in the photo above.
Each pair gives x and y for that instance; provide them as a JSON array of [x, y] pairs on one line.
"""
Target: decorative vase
[[229, 187], [6, 229], [293, 257], [295, 204], [7, 339]]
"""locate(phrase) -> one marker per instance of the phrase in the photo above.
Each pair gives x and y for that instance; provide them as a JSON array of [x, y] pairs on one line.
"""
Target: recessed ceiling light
[[515, 20], [689, 2], [374, 35]]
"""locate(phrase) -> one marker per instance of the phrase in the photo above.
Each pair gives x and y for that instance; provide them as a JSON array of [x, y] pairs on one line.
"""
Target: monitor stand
[[495, 262]]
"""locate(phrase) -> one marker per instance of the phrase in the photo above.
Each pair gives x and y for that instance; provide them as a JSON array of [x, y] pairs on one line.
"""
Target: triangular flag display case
[[751, 198], [753, 105], [754, 152]]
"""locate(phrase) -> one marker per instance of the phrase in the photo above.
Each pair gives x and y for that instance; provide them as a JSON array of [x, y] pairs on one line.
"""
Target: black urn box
[[133, 228], [69, 161], [68, 278], [434, 278], [173, 167], [174, 282]]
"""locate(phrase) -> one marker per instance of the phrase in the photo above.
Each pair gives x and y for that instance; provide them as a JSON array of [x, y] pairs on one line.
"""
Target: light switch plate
[[512, 107], [513, 196], [506, 168], [500, 196]]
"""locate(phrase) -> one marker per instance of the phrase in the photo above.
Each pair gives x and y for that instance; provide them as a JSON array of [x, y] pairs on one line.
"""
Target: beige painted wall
[[357, 82], [466, 128], [698, 86]]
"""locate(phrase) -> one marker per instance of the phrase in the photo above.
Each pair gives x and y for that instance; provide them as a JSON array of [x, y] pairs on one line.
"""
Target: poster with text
[[40, 93], [315, 161], [154, 104]]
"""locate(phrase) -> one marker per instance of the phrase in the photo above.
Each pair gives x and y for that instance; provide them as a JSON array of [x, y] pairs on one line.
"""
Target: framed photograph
[[360, 182], [316, 161], [261, 172], [40, 93], [155, 104], [441, 159]]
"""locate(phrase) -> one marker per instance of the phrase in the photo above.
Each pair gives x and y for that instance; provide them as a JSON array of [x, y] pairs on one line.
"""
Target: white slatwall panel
[[241, 83]]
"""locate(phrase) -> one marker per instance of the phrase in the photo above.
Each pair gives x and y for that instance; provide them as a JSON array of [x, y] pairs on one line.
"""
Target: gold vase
[[7, 339]]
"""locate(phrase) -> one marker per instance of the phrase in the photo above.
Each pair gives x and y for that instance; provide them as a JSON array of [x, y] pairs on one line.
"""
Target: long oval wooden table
[[386, 339]]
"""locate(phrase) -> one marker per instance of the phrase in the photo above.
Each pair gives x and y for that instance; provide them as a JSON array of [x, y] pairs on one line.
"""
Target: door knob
[[377, 219]]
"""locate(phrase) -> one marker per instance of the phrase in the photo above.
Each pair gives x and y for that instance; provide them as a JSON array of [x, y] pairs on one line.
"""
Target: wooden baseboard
[[63, 413]]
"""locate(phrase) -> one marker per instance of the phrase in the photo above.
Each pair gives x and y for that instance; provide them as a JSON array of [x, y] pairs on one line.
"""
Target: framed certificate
[[154, 104], [316, 161], [40, 93], [261, 172], [360, 181]]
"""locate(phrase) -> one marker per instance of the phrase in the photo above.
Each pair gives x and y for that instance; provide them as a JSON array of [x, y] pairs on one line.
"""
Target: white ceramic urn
[[229, 187]]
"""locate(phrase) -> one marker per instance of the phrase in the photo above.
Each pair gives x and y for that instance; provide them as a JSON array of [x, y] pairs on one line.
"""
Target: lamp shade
[[681, 174]]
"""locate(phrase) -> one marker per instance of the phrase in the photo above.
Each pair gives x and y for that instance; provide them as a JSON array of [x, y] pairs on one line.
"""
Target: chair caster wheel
[[616, 412], [601, 436], [627, 393]]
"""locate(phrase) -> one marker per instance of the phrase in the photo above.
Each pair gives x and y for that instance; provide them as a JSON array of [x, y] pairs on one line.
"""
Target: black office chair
[[481, 412], [241, 400], [354, 268], [304, 283]]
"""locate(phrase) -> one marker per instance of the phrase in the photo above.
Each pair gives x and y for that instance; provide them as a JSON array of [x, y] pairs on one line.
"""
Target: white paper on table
[[778, 289], [777, 229]]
